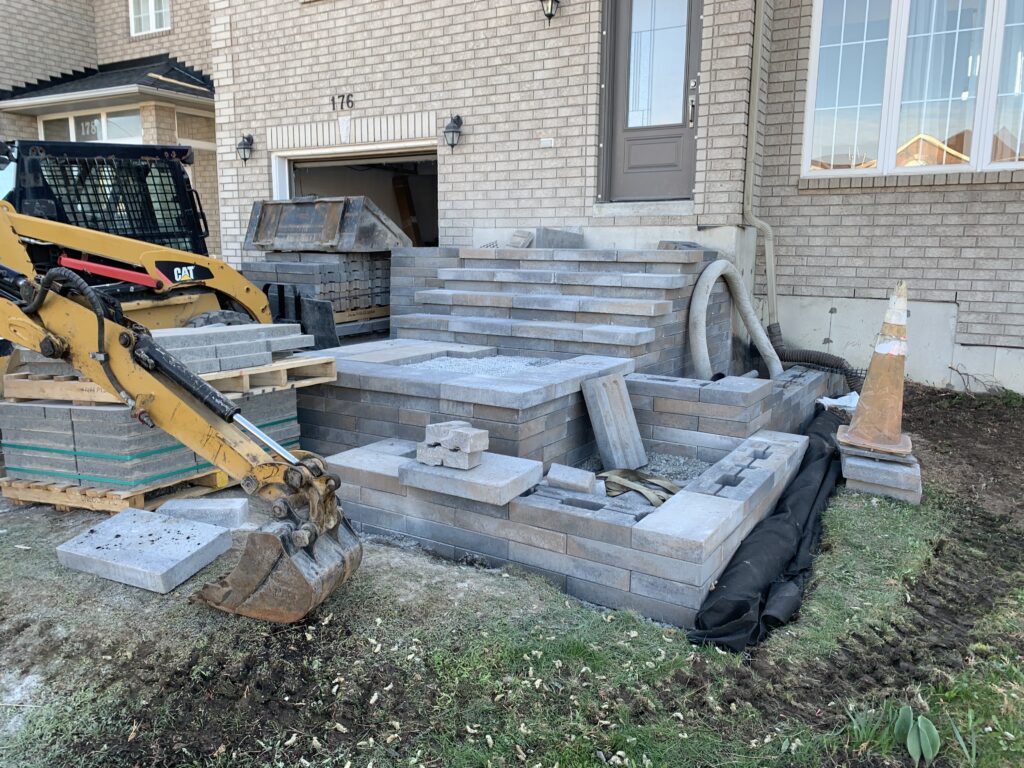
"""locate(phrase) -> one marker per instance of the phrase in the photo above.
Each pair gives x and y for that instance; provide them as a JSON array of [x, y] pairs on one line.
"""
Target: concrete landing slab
[[145, 549]]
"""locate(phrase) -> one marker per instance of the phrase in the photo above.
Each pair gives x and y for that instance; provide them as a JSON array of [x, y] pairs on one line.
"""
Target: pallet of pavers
[[81, 451]]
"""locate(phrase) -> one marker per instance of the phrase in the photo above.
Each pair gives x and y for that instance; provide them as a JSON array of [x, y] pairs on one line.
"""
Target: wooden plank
[[369, 313], [26, 387]]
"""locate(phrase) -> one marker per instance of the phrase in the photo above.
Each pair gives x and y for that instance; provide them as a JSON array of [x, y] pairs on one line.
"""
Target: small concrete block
[[497, 480], [437, 433], [689, 526], [439, 456], [572, 479], [467, 440], [145, 549], [904, 477], [615, 427], [911, 497], [226, 513], [736, 390], [431, 455]]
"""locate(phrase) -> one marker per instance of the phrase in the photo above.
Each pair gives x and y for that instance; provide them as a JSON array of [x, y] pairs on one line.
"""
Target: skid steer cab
[[156, 270]]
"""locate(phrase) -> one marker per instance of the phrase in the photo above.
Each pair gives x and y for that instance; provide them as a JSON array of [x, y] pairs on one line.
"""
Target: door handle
[[692, 111]]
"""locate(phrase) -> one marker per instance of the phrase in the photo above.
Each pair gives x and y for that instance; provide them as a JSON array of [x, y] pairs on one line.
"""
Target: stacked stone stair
[[562, 303]]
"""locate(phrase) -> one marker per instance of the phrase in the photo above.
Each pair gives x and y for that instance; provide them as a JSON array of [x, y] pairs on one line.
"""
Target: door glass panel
[[850, 84], [57, 130], [940, 82], [88, 128], [657, 62], [1008, 134]]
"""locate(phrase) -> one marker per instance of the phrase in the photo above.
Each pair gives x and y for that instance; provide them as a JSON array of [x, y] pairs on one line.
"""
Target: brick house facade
[[533, 99]]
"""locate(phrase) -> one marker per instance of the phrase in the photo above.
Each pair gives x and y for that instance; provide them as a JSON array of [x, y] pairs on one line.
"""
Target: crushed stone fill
[[498, 365]]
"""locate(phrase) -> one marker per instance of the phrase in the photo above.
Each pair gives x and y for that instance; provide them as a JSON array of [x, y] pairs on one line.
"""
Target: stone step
[[554, 255], [542, 301], [555, 277], [619, 335]]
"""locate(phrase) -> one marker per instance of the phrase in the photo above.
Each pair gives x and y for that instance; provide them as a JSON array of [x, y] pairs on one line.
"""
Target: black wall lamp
[[550, 9], [453, 132], [244, 148]]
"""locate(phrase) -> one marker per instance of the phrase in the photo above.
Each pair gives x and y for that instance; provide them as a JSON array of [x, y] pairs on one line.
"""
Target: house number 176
[[342, 101]]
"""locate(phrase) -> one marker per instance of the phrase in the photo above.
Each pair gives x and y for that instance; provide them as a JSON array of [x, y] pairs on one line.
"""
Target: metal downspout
[[753, 116]]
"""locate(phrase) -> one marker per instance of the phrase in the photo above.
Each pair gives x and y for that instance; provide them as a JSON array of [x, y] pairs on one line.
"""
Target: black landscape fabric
[[763, 585]]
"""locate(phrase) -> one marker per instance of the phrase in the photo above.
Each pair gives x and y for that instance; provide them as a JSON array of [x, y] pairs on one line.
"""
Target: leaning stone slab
[[615, 427], [572, 479], [145, 549], [497, 480], [225, 513]]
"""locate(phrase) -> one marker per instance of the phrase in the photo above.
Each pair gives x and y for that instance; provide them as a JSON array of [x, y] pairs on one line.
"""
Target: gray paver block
[[904, 477], [736, 390], [615, 427], [911, 497], [439, 456], [572, 479], [226, 513], [689, 526], [436, 433], [497, 480], [467, 440], [145, 549]]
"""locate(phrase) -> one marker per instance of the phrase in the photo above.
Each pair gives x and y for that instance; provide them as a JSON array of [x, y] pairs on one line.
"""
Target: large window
[[123, 127], [915, 86], [149, 16]]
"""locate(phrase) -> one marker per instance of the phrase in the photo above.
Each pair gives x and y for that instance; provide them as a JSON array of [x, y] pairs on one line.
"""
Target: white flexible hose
[[699, 319]]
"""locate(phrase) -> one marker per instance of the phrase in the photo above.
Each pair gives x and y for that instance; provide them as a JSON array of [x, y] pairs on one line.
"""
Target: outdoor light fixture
[[453, 132], [550, 9], [244, 148]]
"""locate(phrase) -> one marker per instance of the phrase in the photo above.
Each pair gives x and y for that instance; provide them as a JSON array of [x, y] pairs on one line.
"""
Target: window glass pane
[[141, 20], [124, 125], [88, 128], [1008, 133], [161, 14], [940, 82], [657, 62], [850, 84], [7, 180], [57, 130]]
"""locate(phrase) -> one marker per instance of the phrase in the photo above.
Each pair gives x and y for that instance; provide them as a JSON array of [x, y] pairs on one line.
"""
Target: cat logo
[[181, 274]]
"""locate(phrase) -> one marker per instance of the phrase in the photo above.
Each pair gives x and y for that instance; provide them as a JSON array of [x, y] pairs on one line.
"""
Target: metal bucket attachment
[[322, 225], [275, 581]]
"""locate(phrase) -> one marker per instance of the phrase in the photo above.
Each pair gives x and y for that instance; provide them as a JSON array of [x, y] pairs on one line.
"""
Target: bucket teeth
[[274, 581]]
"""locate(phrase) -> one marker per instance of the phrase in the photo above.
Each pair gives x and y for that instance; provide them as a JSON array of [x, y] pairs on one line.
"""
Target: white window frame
[[152, 15], [984, 118], [70, 117]]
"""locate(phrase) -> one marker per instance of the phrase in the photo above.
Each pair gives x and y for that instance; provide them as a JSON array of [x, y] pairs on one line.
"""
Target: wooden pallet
[[293, 373], [354, 315], [65, 497]]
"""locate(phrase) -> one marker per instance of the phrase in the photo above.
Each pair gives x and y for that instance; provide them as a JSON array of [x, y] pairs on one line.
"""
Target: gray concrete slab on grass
[[911, 497], [615, 427], [145, 549], [904, 477], [225, 513]]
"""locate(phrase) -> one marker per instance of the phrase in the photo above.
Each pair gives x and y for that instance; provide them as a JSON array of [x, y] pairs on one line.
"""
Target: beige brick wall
[[188, 39], [512, 78], [955, 239], [45, 38]]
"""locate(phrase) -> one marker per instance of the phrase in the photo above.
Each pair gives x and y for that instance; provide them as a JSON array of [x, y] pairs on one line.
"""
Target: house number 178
[[342, 101]]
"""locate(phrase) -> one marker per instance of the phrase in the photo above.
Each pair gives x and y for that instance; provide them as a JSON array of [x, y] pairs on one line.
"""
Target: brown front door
[[653, 73]]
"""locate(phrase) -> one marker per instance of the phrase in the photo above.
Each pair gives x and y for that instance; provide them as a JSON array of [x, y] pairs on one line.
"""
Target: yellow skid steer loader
[[287, 568]]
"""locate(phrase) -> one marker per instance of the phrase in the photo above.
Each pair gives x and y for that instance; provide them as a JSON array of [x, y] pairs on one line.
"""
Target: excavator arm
[[287, 568]]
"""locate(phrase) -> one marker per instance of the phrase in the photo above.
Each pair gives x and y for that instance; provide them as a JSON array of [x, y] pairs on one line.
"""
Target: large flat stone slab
[[224, 513], [145, 549], [497, 480], [615, 427]]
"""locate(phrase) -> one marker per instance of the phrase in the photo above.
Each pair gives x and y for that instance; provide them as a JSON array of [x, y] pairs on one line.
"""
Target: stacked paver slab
[[560, 302], [229, 348], [898, 477], [661, 563], [105, 447], [537, 414]]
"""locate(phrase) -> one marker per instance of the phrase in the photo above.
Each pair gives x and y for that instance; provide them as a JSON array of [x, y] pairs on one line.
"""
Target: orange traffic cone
[[878, 421]]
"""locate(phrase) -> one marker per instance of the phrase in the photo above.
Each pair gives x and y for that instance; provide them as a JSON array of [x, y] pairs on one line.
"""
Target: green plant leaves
[[929, 738], [914, 745], [901, 726]]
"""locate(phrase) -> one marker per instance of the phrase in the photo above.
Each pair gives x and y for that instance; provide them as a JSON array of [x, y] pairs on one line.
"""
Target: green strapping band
[[112, 481], [120, 457]]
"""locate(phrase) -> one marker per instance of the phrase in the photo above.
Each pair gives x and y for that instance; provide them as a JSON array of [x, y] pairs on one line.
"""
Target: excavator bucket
[[275, 581]]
